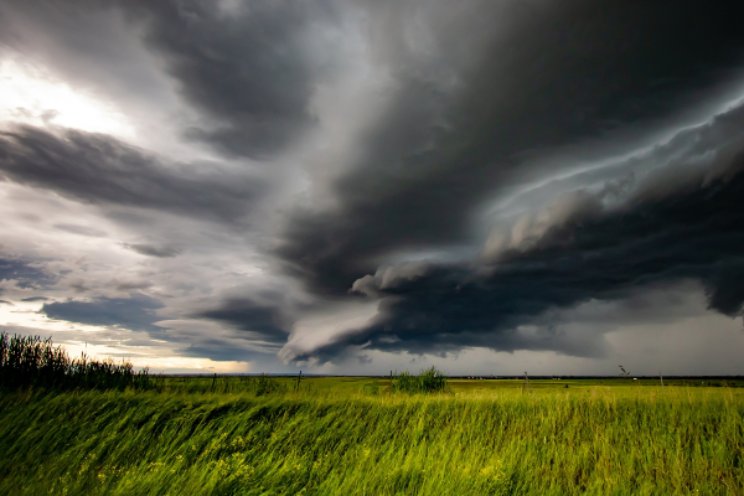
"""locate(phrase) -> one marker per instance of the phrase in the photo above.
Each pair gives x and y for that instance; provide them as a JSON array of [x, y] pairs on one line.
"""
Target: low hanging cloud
[[99, 169], [137, 312], [696, 233], [262, 322]]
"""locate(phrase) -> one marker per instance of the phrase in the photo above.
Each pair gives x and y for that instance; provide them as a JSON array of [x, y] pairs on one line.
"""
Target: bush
[[29, 361], [428, 381]]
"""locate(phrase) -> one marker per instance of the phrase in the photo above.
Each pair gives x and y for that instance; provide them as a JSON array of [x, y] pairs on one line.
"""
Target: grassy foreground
[[352, 436]]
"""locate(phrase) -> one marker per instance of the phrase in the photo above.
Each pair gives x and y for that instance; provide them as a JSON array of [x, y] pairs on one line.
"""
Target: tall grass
[[478, 440], [30, 361]]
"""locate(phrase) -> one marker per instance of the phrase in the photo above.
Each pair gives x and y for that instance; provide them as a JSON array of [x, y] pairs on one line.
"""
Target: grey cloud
[[695, 234], [131, 285], [137, 312], [220, 350], [464, 104], [251, 70], [262, 321], [153, 250], [95, 168], [24, 273], [34, 298], [551, 75]]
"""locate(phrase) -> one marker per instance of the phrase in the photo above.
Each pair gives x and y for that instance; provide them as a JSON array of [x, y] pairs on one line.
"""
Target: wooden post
[[299, 376]]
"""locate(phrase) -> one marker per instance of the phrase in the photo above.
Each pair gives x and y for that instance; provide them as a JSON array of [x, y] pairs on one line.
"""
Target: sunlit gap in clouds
[[31, 95], [114, 343]]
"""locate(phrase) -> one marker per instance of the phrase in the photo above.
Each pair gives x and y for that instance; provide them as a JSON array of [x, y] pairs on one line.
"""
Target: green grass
[[355, 436]]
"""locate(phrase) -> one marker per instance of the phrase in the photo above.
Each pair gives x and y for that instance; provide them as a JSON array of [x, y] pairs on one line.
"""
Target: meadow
[[344, 435]]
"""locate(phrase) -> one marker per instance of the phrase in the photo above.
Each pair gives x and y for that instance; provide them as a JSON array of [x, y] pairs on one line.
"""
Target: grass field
[[354, 436]]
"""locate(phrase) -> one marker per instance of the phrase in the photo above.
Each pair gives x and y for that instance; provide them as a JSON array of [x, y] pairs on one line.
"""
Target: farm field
[[343, 435]]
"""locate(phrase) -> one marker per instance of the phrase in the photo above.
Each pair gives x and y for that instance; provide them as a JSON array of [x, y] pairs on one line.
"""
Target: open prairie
[[344, 435]]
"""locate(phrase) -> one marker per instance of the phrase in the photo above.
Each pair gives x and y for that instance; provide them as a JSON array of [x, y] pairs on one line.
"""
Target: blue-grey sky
[[358, 186]]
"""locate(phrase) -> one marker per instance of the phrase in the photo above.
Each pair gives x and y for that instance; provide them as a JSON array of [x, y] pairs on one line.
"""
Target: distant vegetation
[[428, 381], [30, 361]]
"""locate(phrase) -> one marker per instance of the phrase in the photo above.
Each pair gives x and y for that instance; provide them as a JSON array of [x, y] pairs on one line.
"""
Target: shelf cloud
[[349, 186]]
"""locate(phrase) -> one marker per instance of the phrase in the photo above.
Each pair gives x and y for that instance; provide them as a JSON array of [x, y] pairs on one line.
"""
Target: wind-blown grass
[[332, 438]]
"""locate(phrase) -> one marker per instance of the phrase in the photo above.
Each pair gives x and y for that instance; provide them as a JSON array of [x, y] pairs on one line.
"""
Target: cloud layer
[[348, 185]]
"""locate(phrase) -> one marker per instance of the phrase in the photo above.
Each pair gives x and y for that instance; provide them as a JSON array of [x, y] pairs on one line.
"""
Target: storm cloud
[[554, 75], [136, 312], [95, 168], [697, 234], [266, 322], [249, 68], [344, 185]]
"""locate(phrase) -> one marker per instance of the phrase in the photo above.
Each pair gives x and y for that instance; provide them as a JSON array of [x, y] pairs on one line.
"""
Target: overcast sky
[[363, 186]]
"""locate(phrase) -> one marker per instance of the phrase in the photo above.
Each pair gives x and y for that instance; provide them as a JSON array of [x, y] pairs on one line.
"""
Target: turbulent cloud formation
[[249, 67], [605, 255], [444, 149], [265, 323], [348, 186]]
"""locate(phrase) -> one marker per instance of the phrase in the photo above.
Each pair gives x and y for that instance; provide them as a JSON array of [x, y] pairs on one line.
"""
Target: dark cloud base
[[697, 234], [137, 312], [262, 322], [553, 75]]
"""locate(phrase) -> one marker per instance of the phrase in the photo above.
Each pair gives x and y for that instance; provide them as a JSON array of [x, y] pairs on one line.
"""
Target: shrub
[[428, 381]]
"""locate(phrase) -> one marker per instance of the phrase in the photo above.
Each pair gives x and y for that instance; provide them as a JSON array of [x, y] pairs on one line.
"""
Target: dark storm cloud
[[34, 298], [697, 233], [452, 107], [24, 274], [263, 322], [137, 312], [153, 250], [251, 68], [220, 350], [95, 168], [527, 77]]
